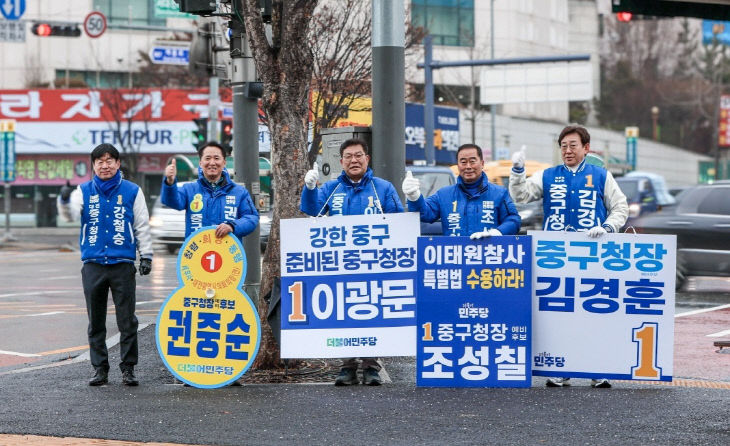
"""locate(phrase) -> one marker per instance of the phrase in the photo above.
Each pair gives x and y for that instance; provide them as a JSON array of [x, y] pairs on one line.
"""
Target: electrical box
[[330, 167]]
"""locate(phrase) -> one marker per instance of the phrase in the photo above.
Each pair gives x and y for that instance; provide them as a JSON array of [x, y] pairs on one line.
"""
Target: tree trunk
[[286, 70]]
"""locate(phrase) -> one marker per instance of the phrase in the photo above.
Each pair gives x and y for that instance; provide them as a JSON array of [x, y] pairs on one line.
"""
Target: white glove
[[411, 187], [596, 231], [518, 159], [486, 233], [312, 177]]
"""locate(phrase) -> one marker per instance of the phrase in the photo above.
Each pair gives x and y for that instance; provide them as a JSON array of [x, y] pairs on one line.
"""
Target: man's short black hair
[[103, 149], [354, 142], [583, 134], [469, 146], [223, 150]]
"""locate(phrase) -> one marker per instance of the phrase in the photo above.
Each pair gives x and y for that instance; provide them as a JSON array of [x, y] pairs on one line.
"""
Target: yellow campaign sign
[[208, 330]]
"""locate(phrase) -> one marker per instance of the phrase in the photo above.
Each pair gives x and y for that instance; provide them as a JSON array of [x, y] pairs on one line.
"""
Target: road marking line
[[34, 293], [704, 310], [155, 301], [50, 313], [60, 277], [64, 350], [719, 334], [110, 343], [24, 355]]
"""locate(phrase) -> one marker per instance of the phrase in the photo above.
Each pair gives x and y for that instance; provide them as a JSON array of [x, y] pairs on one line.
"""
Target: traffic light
[[200, 134], [198, 7], [624, 16], [227, 134], [60, 29]]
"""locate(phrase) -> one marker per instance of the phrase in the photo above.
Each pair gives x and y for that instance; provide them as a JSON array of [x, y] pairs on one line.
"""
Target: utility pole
[[389, 115], [246, 92]]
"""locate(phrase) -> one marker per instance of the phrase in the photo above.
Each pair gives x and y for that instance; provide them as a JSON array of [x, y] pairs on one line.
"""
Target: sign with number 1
[[208, 330]]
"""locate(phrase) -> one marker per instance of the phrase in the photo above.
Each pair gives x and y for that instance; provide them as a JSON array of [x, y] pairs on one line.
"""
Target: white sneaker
[[601, 383], [557, 382]]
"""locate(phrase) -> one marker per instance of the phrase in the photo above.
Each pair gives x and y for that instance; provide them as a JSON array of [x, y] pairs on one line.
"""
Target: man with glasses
[[472, 207], [576, 196], [355, 192], [114, 226]]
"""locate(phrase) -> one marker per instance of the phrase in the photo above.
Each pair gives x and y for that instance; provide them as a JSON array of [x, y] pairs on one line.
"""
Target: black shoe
[[371, 377], [128, 378], [100, 378], [347, 377]]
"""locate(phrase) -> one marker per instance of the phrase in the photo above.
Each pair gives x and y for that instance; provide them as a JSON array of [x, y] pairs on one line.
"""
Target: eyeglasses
[[572, 147], [105, 161], [356, 156]]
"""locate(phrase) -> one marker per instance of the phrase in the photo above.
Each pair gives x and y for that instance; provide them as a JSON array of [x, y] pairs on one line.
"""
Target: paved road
[[55, 401]]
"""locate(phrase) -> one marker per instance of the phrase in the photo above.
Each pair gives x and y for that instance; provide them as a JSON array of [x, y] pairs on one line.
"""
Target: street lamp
[[654, 126]]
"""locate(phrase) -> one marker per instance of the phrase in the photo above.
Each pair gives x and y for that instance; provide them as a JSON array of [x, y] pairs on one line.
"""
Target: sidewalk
[[56, 401], [40, 238]]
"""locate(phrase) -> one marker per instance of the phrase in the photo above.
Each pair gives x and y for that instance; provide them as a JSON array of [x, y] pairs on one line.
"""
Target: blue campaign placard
[[473, 309]]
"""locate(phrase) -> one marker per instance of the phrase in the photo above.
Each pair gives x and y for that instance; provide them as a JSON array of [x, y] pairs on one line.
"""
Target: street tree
[[661, 63], [340, 40], [284, 65]]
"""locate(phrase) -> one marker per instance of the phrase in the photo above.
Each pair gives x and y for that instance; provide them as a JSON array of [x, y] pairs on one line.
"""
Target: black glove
[[66, 192], [145, 266]]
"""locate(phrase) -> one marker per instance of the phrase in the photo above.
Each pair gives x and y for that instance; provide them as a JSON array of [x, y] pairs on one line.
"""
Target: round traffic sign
[[94, 24]]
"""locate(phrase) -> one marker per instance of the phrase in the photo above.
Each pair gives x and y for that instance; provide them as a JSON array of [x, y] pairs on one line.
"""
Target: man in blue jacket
[[212, 200], [114, 226], [355, 192], [472, 207]]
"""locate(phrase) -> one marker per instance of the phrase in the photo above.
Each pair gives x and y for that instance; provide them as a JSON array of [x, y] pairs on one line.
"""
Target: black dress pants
[[98, 279]]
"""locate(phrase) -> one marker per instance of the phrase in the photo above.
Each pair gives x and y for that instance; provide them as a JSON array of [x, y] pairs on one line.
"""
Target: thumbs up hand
[[518, 159], [66, 192], [171, 172], [411, 187], [312, 177]]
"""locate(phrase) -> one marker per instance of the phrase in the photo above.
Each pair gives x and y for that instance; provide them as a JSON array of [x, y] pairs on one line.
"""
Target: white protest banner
[[348, 286]]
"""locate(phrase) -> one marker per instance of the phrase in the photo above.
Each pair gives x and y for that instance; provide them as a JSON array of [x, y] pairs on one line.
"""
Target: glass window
[[134, 12], [716, 202], [450, 22], [100, 79]]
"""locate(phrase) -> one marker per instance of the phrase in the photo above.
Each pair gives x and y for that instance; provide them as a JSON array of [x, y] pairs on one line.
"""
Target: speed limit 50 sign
[[94, 24]]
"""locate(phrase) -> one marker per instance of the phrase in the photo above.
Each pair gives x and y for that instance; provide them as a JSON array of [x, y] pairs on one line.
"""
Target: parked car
[[640, 196], [701, 222], [432, 179], [531, 214], [168, 226], [663, 196]]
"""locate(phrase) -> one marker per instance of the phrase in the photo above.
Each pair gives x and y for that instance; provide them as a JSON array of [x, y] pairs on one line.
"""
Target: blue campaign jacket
[[342, 197], [107, 224], [464, 214], [204, 206], [574, 199]]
